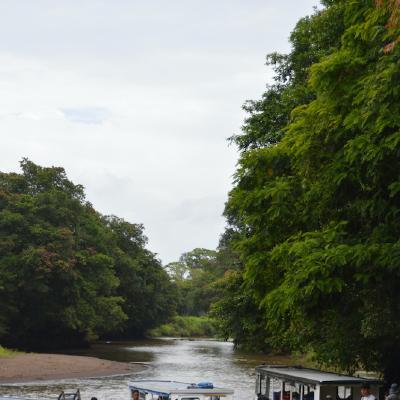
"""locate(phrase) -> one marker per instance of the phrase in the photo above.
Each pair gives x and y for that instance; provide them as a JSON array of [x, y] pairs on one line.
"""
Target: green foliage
[[66, 272], [312, 38], [7, 352], [263, 177], [149, 296], [193, 276], [315, 205], [198, 274], [199, 279], [186, 326], [236, 314]]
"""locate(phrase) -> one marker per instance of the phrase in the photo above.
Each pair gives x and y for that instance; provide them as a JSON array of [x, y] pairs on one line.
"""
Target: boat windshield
[[169, 390], [178, 396]]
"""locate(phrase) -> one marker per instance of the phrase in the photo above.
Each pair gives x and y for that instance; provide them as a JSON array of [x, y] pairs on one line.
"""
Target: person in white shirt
[[393, 392], [366, 392]]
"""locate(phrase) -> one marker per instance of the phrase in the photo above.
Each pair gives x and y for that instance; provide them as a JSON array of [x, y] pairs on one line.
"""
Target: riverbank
[[187, 326], [42, 367]]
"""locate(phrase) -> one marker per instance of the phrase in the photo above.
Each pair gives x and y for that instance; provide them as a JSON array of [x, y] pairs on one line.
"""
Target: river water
[[169, 359]]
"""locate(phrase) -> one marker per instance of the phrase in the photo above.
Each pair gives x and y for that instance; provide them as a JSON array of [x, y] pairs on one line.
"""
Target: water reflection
[[170, 359]]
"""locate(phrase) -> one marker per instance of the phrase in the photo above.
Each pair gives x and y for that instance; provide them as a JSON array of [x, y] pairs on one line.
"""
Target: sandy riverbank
[[38, 367]]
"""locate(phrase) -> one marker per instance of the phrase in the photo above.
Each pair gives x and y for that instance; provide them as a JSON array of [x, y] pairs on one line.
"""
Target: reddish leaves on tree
[[393, 22]]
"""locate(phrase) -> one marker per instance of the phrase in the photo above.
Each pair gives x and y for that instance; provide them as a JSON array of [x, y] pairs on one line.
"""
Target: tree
[[56, 278], [313, 38], [194, 275], [149, 296], [251, 231], [177, 270], [236, 314], [317, 211], [67, 273]]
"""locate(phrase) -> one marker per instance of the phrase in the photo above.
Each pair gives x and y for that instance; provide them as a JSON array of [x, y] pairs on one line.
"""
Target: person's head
[[394, 388], [135, 394], [365, 389]]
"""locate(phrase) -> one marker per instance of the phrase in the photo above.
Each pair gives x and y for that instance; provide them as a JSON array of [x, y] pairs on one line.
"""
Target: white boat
[[282, 382], [171, 390], [62, 396]]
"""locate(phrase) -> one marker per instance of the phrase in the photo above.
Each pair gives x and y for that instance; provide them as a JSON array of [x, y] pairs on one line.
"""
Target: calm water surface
[[171, 359]]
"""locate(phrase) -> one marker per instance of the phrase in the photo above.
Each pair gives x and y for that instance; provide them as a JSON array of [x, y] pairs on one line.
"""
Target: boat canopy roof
[[299, 374], [12, 398], [165, 388]]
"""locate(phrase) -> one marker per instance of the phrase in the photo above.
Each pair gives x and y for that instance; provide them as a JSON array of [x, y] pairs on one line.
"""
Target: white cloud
[[136, 100]]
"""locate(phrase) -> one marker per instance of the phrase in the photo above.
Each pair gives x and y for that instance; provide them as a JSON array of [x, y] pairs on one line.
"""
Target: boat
[[172, 390], [70, 396], [283, 382], [62, 396]]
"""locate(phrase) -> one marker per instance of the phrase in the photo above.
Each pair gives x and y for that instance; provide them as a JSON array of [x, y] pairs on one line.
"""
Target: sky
[[136, 100]]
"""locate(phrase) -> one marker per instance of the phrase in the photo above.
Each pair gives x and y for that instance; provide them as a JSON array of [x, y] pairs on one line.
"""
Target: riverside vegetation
[[68, 274], [314, 211], [7, 352], [310, 259], [187, 326]]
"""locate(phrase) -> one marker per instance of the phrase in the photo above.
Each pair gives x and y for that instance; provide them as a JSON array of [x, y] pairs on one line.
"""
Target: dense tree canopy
[[193, 276], [67, 273], [197, 277], [315, 205]]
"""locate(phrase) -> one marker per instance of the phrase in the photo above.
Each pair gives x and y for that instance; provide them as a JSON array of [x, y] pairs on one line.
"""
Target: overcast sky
[[135, 99]]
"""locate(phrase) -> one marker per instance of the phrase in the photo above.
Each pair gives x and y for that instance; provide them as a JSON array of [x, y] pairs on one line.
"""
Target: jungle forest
[[310, 258]]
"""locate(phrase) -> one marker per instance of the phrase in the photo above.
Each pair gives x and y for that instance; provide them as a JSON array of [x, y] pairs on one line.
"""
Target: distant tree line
[[68, 274], [195, 277]]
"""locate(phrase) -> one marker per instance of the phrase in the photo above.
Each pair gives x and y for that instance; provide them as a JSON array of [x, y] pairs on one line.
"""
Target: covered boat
[[62, 396], [172, 390], [282, 382]]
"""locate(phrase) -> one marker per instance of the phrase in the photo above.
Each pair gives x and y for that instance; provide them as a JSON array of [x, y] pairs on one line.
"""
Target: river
[[170, 359]]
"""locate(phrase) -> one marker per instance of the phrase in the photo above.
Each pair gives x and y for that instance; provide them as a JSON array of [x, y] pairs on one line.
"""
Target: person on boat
[[135, 394], [393, 392], [366, 392]]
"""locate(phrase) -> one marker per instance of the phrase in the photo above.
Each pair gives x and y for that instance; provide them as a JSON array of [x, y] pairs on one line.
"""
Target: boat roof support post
[[259, 383], [317, 392], [267, 386]]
